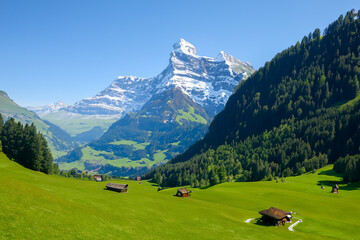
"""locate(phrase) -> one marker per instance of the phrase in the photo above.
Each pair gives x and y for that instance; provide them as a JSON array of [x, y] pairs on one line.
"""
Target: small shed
[[117, 187], [183, 192], [138, 178], [97, 178], [335, 189], [275, 216]]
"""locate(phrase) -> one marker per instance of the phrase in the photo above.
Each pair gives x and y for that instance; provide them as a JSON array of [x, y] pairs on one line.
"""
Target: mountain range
[[160, 116]]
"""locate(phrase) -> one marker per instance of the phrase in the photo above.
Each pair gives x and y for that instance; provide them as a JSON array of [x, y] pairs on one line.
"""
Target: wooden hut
[[138, 178], [335, 190], [275, 216], [97, 178], [117, 187], [183, 192]]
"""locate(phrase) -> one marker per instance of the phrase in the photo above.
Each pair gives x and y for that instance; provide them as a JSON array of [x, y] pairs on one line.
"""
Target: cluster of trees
[[25, 145], [349, 166], [74, 173], [285, 119]]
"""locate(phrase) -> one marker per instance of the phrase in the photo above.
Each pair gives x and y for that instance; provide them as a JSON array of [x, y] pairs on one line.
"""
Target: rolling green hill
[[59, 141], [34, 205]]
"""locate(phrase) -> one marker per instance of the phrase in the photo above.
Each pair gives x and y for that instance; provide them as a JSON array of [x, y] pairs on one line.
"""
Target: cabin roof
[[117, 186], [274, 213], [183, 190]]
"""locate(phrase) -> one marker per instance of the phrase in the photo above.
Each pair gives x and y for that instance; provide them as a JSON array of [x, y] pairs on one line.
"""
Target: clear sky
[[68, 50]]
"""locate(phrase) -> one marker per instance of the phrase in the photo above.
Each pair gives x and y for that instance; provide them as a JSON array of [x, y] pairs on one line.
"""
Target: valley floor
[[37, 206]]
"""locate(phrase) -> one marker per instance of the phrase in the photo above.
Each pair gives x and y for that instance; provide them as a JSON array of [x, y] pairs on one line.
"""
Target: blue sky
[[67, 50]]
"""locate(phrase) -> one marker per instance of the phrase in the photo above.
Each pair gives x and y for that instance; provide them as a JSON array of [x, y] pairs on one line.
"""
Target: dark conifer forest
[[26, 146], [296, 114]]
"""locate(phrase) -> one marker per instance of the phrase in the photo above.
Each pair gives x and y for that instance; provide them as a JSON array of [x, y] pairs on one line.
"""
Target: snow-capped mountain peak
[[53, 107], [207, 81], [184, 46]]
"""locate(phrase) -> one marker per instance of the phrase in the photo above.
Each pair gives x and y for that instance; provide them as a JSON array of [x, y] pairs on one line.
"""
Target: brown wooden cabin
[[335, 190], [183, 192], [138, 178], [97, 178], [117, 187], [275, 216]]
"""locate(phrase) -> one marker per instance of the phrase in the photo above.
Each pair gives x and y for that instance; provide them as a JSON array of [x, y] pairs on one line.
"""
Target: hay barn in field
[[97, 178], [183, 192], [275, 216], [122, 188]]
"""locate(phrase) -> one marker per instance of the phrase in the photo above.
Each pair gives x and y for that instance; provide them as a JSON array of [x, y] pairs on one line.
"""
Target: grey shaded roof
[[274, 213], [117, 186], [183, 190]]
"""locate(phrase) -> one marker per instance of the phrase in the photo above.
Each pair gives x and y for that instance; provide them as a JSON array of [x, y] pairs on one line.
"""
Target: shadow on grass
[[262, 222], [342, 186], [330, 172]]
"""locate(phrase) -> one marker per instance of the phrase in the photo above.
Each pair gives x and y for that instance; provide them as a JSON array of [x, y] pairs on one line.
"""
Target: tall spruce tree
[[1, 126]]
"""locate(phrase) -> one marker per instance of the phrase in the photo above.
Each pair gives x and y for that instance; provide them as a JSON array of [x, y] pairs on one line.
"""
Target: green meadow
[[99, 157], [38, 206]]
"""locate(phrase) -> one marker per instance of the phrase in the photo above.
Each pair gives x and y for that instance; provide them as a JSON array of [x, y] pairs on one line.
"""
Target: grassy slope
[[36, 206], [136, 145], [190, 116]]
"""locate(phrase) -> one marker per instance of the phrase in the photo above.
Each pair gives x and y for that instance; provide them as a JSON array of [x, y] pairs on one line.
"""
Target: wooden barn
[[183, 192], [138, 178], [97, 178], [275, 216], [117, 187]]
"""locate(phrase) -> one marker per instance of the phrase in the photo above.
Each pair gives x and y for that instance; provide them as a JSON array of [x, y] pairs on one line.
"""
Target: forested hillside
[[26, 146], [292, 116]]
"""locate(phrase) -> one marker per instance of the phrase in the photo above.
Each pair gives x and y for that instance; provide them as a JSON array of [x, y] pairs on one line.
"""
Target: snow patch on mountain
[[44, 110]]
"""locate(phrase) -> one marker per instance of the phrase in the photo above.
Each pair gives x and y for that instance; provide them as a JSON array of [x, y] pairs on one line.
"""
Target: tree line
[[349, 166], [26, 146]]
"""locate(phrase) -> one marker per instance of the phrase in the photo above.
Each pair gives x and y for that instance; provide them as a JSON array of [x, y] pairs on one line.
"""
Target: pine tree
[[47, 165], [1, 126]]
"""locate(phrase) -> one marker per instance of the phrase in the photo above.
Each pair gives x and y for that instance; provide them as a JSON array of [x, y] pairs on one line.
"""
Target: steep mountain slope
[[168, 124], [207, 81], [284, 119], [59, 141], [169, 112]]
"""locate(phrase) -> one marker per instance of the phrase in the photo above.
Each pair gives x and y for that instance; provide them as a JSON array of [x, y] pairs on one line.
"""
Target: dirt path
[[291, 227]]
